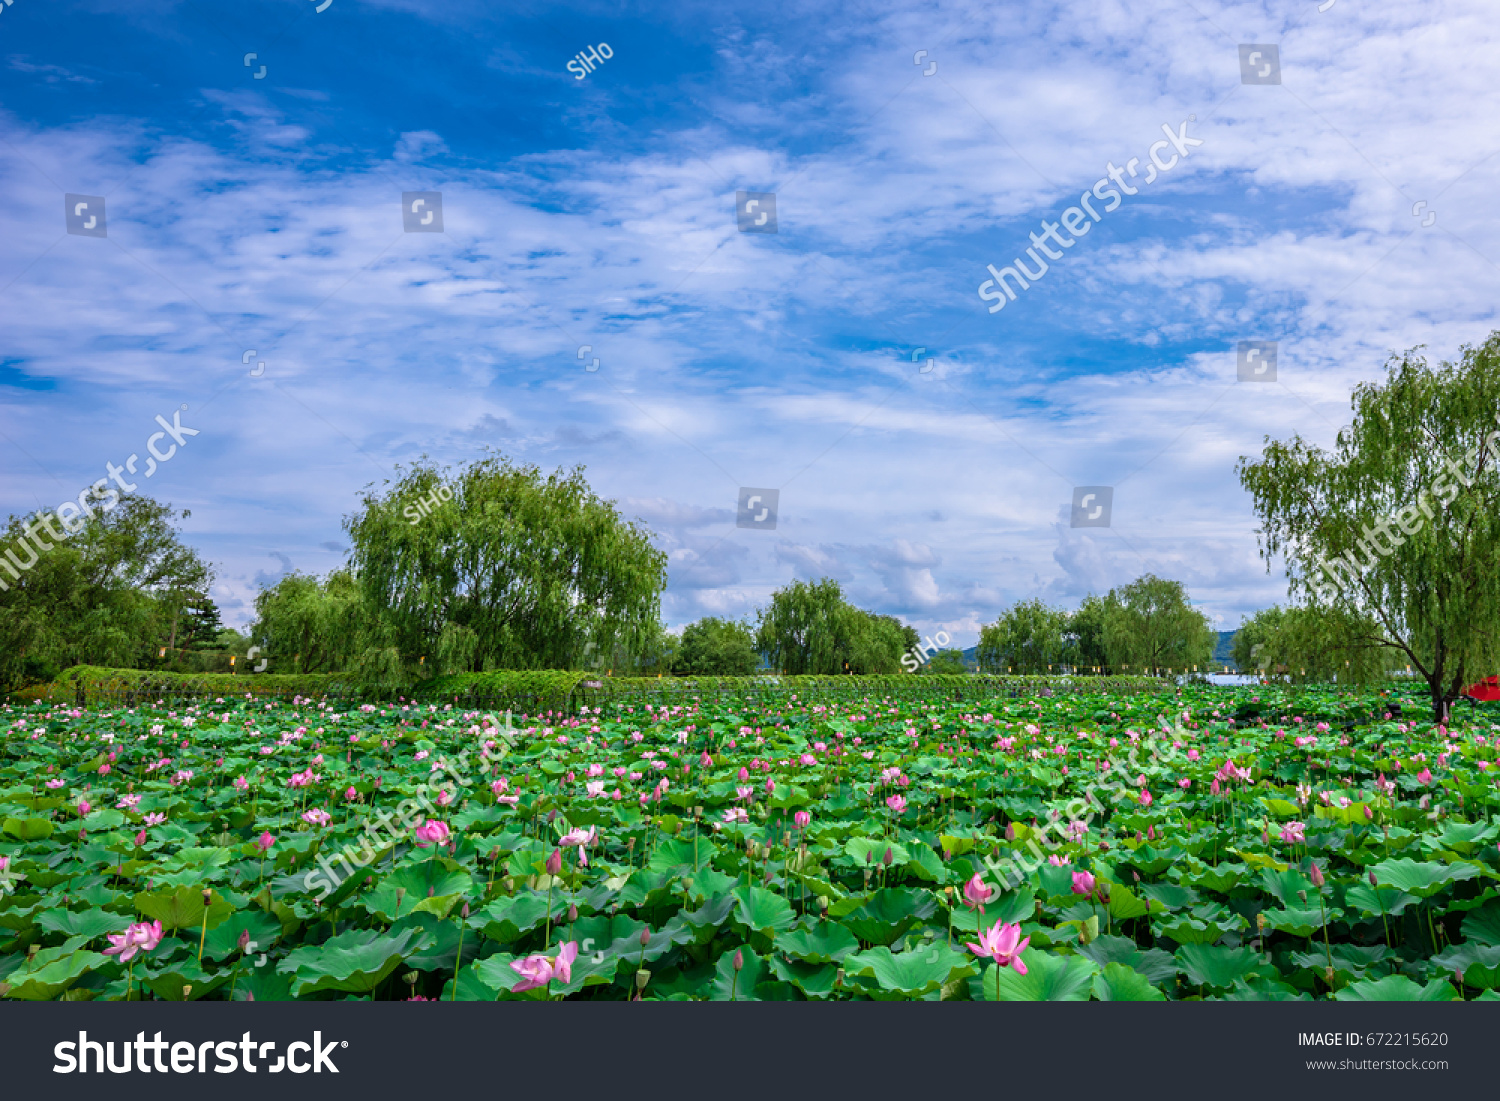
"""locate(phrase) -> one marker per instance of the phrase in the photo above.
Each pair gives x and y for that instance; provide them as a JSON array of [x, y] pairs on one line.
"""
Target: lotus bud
[[464, 913], [572, 913], [1373, 881], [1010, 832], [554, 862], [886, 859], [645, 936], [244, 941], [739, 959], [1316, 875]]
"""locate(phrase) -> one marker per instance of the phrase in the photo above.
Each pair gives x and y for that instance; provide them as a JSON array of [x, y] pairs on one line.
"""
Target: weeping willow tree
[[810, 628], [109, 593], [1305, 645], [496, 567], [1150, 626], [1029, 637], [309, 625], [1394, 536]]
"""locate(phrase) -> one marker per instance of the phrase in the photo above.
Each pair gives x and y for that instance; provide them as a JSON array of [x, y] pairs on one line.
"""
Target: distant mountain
[[1221, 651], [1221, 656]]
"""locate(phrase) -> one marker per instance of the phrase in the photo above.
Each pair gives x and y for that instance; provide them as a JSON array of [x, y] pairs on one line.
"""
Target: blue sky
[[265, 214]]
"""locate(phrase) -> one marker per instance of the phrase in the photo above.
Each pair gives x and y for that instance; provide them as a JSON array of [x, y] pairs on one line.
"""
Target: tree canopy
[[717, 647], [1150, 626], [810, 628], [497, 567], [1029, 637], [109, 593], [1398, 527]]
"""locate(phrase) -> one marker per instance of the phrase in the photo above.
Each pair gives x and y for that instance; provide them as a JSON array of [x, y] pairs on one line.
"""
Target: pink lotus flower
[[83, 807], [241, 783], [1145, 798], [539, 970], [265, 841], [744, 774], [1293, 832], [140, 839], [594, 789], [432, 832], [1083, 884], [128, 802], [801, 819], [897, 803], [1003, 944], [317, 817], [736, 814], [139, 937], [104, 769], [977, 892], [155, 819], [583, 838], [1424, 777], [55, 783]]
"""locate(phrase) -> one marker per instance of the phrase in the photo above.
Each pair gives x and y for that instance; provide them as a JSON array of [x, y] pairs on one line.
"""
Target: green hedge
[[559, 690], [91, 684], [534, 691]]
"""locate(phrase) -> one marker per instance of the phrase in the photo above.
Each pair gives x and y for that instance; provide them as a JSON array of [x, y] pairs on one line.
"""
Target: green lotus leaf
[[1397, 988], [1423, 879], [356, 961], [728, 986], [1050, 977], [820, 942], [914, 972], [1220, 968], [1118, 983]]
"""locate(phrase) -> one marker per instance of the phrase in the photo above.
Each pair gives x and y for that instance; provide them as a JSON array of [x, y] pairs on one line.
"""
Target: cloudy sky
[[256, 274]]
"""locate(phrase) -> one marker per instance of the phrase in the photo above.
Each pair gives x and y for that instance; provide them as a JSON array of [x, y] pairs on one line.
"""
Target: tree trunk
[[1440, 702]]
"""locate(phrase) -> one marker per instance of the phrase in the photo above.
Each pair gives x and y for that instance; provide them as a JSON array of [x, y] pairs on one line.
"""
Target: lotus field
[[1199, 843]]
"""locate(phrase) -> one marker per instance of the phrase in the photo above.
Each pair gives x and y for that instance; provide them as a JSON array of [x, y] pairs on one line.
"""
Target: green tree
[[946, 662], [309, 625], [1027, 638], [810, 628], [200, 625], [1085, 635], [717, 647], [1399, 525], [1149, 626], [497, 567], [107, 593], [1303, 644]]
